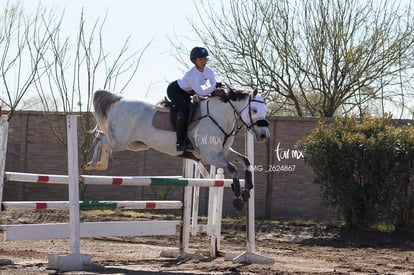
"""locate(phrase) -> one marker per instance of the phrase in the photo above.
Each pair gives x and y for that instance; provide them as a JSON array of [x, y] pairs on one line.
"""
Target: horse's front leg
[[218, 160], [238, 203], [234, 156]]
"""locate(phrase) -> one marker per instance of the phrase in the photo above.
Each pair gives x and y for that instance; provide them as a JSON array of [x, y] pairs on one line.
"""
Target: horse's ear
[[255, 91]]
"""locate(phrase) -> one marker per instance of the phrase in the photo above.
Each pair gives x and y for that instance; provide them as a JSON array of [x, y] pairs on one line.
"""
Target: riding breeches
[[179, 97]]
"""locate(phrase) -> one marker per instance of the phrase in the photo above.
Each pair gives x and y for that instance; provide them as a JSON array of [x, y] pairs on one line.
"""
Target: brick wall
[[291, 194]]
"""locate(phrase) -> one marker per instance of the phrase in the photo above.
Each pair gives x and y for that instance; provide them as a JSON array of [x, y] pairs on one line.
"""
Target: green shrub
[[364, 169]]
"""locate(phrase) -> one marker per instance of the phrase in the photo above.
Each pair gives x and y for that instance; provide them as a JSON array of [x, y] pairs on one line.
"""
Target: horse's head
[[254, 116], [251, 108]]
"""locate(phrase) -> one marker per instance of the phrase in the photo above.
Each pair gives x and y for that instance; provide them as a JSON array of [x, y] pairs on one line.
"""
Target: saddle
[[165, 115]]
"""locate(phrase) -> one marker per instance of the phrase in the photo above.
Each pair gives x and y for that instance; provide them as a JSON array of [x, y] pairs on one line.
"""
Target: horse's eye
[[254, 110]]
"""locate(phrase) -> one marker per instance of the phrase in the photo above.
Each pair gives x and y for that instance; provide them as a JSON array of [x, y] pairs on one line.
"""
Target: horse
[[127, 124]]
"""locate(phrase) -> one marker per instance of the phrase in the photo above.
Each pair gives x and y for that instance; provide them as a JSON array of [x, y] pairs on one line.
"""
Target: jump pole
[[94, 205], [120, 180]]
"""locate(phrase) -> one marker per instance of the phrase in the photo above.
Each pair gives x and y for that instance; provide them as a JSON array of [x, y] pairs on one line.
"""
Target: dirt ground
[[297, 248]]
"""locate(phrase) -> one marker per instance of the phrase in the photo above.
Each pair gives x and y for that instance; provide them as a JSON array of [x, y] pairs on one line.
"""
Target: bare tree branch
[[23, 46], [320, 58]]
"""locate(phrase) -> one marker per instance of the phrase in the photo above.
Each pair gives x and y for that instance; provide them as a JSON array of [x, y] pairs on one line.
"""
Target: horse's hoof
[[98, 167], [238, 203], [246, 195], [87, 167]]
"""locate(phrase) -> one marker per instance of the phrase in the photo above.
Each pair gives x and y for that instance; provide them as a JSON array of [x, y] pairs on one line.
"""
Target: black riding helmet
[[198, 52]]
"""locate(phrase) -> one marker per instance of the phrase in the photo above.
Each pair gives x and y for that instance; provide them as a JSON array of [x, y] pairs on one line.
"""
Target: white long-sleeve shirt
[[193, 79]]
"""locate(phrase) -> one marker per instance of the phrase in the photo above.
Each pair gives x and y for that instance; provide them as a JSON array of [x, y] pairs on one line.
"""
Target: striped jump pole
[[157, 181], [36, 178], [94, 205], [121, 180]]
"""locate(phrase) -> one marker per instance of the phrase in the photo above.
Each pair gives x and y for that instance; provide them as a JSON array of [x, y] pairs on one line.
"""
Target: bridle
[[235, 130], [259, 123]]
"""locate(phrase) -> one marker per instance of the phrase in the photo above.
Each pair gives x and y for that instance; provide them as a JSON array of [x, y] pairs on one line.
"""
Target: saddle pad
[[161, 120]]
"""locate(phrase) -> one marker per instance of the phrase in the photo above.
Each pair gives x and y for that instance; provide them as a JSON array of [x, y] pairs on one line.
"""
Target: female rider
[[181, 90]]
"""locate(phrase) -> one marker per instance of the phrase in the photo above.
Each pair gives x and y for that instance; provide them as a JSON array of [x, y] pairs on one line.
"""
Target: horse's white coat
[[128, 126]]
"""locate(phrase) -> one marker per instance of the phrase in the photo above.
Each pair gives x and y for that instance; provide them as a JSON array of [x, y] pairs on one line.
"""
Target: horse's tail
[[102, 103]]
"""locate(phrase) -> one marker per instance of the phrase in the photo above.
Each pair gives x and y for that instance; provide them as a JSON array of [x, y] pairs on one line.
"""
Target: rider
[[181, 90]]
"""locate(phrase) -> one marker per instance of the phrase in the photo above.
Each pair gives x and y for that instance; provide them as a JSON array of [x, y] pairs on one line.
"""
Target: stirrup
[[180, 147], [188, 145], [184, 146]]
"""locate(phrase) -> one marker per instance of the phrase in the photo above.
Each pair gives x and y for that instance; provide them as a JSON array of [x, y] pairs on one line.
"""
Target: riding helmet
[[198, 52]]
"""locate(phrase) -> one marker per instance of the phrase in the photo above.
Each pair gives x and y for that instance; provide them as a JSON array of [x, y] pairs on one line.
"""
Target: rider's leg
[[181, 131], [178, 98], [187, 142], [183, 142]]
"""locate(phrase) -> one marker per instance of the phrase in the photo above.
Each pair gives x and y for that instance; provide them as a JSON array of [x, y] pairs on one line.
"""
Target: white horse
[[125, 124]]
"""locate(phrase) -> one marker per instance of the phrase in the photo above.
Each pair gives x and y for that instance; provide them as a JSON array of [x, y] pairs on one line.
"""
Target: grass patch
[[384, 227]]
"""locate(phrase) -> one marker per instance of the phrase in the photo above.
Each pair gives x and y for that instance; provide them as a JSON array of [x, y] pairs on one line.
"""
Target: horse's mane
[[230, 94], [224, 94]]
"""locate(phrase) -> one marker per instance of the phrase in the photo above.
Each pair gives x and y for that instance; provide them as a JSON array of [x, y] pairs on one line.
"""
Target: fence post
[[4, 128]]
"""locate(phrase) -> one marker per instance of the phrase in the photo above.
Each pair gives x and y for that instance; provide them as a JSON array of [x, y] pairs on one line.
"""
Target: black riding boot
[[180, 129], [183, 143]]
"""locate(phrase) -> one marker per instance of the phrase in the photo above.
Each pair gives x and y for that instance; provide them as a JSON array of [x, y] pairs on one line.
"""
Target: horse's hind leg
[[100, 157], [102, 164]]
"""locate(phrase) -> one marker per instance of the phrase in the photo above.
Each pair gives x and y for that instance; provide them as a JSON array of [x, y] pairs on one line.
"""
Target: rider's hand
[[219, 85]]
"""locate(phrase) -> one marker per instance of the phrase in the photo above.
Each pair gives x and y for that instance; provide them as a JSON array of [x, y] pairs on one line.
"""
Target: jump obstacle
[[75, 230]]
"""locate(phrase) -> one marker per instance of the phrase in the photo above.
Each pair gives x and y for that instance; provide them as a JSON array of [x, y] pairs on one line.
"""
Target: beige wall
[[33, 148]]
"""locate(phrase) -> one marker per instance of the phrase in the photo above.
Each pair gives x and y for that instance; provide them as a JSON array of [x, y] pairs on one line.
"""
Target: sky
[[142, 21]]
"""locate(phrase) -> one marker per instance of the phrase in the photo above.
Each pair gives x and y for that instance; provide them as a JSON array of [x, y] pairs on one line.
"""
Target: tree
[[364, 169], [64, 70], [22, 47], [315, 57], [75, 67]]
